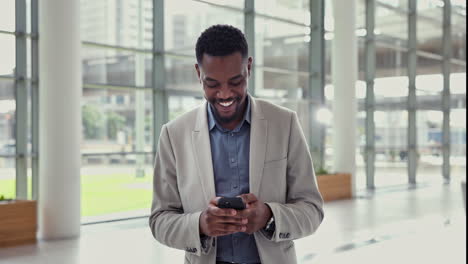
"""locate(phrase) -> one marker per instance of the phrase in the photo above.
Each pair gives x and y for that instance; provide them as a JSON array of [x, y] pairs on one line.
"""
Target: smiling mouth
[[226, 104]]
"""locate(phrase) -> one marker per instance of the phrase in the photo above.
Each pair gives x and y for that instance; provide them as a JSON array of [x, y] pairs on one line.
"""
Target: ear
[[249, 65], [197, 68]]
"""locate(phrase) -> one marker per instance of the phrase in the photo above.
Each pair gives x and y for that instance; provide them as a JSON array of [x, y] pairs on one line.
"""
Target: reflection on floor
[[424, 224]]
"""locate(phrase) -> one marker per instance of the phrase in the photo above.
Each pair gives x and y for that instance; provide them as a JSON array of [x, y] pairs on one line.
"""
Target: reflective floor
[[422, 224]]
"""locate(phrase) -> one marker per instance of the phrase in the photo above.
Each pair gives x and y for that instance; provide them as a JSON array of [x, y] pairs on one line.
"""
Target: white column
[[59, 119], [344, 75]]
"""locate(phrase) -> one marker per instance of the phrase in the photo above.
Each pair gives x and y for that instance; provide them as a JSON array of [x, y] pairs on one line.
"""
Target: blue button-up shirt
[[230, 156]]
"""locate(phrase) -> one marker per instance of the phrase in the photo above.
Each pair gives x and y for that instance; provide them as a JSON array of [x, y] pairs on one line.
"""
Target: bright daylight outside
[[119, 107]]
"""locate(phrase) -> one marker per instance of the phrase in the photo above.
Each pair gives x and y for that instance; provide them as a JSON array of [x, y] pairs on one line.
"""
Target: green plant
[[115, 122], [2, 197], [322, 171], [92, 122]]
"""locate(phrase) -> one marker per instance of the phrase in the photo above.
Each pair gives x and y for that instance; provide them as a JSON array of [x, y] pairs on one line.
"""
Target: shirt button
[[232, 134], [233, 160]]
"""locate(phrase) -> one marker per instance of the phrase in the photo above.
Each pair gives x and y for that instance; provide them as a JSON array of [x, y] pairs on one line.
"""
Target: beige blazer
[[281, 174]]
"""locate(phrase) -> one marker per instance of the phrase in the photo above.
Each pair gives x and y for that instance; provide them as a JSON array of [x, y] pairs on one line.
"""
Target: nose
[[224, 92]]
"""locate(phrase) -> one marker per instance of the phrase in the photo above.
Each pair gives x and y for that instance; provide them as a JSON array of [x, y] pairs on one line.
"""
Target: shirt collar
[[212, 122]]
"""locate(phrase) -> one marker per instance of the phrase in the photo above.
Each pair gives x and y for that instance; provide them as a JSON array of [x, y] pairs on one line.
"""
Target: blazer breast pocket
[[274, 183]]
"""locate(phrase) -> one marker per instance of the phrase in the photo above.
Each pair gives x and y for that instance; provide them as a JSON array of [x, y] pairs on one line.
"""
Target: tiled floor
[[426, 224]]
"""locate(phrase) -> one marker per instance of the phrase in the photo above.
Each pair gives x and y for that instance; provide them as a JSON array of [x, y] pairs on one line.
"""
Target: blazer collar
[[202, 149]]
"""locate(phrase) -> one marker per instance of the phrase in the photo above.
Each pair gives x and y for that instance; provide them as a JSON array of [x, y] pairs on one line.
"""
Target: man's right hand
[[216, 221]]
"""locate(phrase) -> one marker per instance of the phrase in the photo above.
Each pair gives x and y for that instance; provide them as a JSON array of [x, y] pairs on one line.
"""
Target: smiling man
[[234, 145]]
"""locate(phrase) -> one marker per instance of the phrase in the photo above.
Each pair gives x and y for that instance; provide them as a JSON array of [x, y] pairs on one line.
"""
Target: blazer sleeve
[[303, 212], [168, 222]]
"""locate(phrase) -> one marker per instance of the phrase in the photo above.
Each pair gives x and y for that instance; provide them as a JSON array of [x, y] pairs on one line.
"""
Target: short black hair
[[221, 40]]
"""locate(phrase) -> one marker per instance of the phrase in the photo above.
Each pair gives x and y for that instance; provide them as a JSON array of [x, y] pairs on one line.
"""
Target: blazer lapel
[[258, 142], [202, 152]]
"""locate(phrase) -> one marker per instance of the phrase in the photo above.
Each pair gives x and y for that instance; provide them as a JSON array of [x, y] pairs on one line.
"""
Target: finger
[[232, 220], [221, 211], [214, 201], [246, 213], [231, 228], [249, 198]]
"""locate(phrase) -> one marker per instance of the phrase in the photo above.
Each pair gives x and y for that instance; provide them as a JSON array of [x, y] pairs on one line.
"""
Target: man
[[233, 145]]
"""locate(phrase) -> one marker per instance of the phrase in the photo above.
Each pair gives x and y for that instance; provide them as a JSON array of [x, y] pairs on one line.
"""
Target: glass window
[[182, 104], [183, 26], [7, 55], [115, 67], [297, 11], [429, 79], [390, 147], [457, 80], [429, 129], [117, 22], [458, 143], [273, 83], [429, 26], [110, 121], [7, 15], [7, 177], [391, 25], [7, 117], [115, 186], [236, 4], [7, 139], [458, 35], [281, 45], [390, 62], [181, 74]]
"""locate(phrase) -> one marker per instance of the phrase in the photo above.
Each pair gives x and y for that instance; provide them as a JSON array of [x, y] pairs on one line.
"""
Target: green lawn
[[104, 194], [7, 188]]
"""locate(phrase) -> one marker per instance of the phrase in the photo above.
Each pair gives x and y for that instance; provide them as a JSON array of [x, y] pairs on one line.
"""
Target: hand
[[216, 221], [257, 213]]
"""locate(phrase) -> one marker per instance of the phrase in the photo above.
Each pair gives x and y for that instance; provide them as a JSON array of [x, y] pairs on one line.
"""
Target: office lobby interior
[[379, 87]]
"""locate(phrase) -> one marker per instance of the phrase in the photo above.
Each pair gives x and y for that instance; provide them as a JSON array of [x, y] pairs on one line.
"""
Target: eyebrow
[[230, 79]]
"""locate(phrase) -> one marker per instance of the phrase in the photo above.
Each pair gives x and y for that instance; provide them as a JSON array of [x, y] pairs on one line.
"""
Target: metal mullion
[[249, 29], [21, 96], [429, 55], [390, 7], [279, 19], [370, 52], [115, 87], [174, 92], [447, 53], [283, 71], [175, 55], [7, 32], [35, 98], [115, 47], [384, 44], [412, 103], [231, 8], [316, 135], [116, 153], [160, 98], [8, 78], [458, 62]]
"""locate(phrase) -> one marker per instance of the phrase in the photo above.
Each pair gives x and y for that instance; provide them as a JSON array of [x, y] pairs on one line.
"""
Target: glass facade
[[122, 106]]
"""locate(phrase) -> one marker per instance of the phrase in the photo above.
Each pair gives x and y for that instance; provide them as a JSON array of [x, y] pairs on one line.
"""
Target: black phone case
[[231, 203]]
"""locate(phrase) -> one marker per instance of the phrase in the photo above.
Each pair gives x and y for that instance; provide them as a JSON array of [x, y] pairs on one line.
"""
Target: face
[[225, 81]]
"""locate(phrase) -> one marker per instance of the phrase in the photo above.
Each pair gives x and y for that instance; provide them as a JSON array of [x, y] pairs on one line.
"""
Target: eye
[[236, 84], [212, 86]]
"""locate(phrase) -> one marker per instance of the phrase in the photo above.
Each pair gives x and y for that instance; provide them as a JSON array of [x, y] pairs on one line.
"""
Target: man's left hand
[[257, 213]]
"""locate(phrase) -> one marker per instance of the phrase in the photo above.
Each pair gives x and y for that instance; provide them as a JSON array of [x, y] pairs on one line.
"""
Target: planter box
[[18, 222], [335, 186]]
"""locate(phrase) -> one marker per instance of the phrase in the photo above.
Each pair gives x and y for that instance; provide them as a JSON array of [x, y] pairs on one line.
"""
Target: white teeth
[[227, 104]]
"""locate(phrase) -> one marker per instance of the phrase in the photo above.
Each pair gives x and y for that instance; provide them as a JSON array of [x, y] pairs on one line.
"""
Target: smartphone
[[231, 203]]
